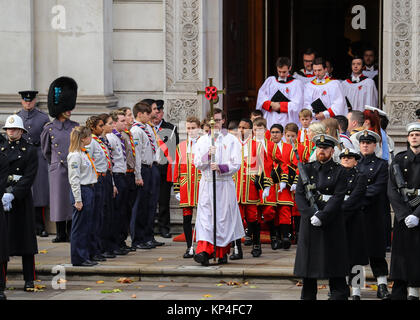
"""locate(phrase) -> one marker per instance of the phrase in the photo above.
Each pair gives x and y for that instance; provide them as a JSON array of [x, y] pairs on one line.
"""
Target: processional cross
[[212, 95]]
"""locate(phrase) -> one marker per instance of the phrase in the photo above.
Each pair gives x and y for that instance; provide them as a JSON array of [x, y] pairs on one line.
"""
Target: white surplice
[[360, 93], [229, 225]]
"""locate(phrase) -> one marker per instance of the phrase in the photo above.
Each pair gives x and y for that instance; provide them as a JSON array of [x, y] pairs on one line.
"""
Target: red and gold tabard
[[246, 191], [272, 159], [307, 143], [186, 175]]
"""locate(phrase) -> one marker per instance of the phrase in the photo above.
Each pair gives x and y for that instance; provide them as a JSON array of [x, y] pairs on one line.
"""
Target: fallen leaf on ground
[[100, 282], [106, 291], [233, 283], [374, 287], [61, 281], [322, 286], [38, 280], [246, 283], [39, 286], [43, 251], [299, 284], [88, 289], [11, 288], [253, 287], [161, 286], [116, 290], [133, 296], [124, 280], [160, 259], [207, 296], [219, 284]]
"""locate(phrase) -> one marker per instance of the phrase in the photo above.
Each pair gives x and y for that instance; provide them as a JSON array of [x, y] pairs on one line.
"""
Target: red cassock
[[272, 159], [308, 143], [246, 191], [292, 166], [186, 176]]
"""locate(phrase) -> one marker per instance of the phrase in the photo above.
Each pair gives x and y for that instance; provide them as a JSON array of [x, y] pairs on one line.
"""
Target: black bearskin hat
[[62, 96]]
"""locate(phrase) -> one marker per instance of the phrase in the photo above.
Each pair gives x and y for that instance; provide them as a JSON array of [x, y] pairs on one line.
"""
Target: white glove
[[266, 192], [7, 201], [315, 221], [293, 187], [178, 196], [411, 221], [282, 186]]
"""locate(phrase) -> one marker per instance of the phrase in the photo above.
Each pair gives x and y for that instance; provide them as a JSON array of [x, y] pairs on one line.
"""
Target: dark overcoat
[[322, 251], [4, 170]]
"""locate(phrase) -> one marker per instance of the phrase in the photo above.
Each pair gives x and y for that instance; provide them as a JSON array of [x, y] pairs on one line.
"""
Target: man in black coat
[[356, 184], [168, 133], [374, 207], [405, 257], [4, 250], [17, 200], [322, 247]]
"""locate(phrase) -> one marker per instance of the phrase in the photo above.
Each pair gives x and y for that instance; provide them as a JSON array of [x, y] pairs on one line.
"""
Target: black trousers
[[153, 202], [379, 266], [399, 289], [164, 215], [3, 274], [28, 264], [120, 205], [338, 287], [39, 219], [108, 238], [131, 198]]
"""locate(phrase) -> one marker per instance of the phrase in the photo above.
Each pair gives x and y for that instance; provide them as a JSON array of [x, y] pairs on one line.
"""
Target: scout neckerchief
[[90, 159], [144, 128], [108, 146], [103, 146], [131, 141], [119, 135]]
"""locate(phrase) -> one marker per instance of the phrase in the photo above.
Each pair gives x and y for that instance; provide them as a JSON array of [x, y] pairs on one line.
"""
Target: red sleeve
[[284, 107], [332, 114], [267, 106]]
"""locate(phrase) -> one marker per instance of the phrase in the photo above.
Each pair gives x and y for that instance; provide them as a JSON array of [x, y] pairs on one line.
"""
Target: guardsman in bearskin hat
[[17, 199], [404, 194], [55, 141], [34, 121]]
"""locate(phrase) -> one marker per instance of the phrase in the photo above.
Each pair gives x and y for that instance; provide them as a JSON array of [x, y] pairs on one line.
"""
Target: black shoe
[[151, 244], [29, 286], [256, 250], [187, 254], [223, 260], [165, 234], [86, 263], [248, 241], [236, 256], [98, 258], [120, 252], [355, 298], [202, 258], [43, 234], [108, 255], [59, 240], [413, 298], [286, 243], [383, 292], [388, 249], [143, 246], [157, 243], [274, 243], [127, 248], [2, 296]]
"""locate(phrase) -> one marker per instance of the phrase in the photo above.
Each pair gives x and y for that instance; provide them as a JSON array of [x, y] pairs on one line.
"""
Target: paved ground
[[163, 274]]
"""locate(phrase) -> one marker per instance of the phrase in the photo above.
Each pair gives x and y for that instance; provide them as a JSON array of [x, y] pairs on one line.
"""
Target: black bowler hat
[[160, 104], [28, 95], [62, 96]]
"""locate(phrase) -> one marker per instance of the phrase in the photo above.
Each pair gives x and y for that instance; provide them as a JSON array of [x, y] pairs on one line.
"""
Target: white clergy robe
[[331, 94], [304, 76], [360, 91], [228, 217], [292, 89], [370, 72]]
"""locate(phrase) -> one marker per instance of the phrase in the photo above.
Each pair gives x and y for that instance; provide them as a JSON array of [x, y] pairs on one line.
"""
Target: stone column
[[17, 54], [193, 30], [401, 65]]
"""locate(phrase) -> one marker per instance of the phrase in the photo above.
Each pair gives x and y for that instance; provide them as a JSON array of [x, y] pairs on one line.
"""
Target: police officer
[[34, 121], [55, 141], [356, 184], [17, 199], [374, 207], [405, 257], [4, 252], [322, 247]]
